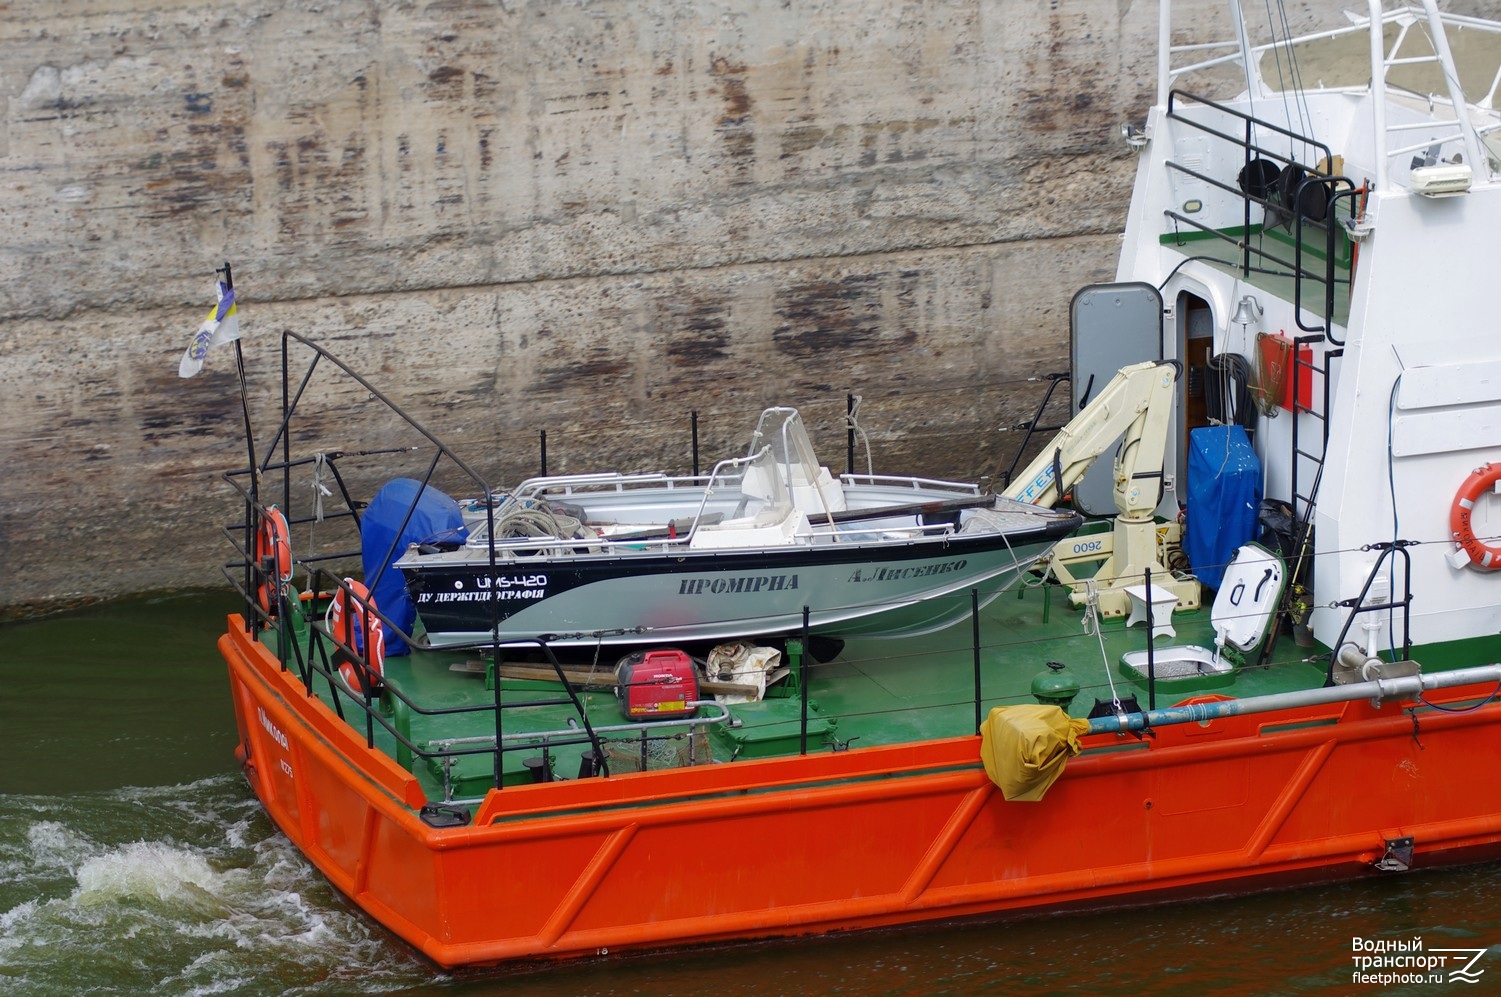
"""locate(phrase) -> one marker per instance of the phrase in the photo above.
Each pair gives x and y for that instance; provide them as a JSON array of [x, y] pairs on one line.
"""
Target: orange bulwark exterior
[[866, 837]]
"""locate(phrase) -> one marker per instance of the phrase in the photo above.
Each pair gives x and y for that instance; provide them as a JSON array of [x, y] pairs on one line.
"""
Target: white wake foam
[[178, 890]]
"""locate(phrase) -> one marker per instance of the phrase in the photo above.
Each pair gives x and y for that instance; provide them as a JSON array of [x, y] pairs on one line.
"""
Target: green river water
[[133, 860]]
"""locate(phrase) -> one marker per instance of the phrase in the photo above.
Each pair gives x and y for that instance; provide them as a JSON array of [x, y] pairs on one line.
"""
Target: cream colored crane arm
[[1137, 402]]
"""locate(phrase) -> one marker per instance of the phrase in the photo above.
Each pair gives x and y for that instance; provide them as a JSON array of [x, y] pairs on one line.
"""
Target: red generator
[[656, 685]]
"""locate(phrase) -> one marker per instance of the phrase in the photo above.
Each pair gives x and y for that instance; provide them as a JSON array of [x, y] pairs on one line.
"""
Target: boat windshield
[[763, 484], [783, 431], [803, 481]]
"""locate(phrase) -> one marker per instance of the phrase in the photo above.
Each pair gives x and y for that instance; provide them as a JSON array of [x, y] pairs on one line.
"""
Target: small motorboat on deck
[[743, 551]]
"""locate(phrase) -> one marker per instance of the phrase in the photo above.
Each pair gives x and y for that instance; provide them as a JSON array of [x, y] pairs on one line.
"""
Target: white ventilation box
[[1441, 179]]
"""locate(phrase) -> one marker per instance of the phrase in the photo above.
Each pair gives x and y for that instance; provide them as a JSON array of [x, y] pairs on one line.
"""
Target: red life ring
[[351, 626], [272, 542], [1480, 481]]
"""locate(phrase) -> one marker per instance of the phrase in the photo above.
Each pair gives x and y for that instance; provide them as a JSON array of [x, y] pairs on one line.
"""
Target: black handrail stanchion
[[497, 705], [1245, 248], [542, 448], [693, 423], [1151, 656], [974, 611], [802, 678], [366, 689], [282, 608]]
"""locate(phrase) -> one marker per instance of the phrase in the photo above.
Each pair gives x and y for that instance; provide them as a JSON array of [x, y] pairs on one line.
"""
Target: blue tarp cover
[[435, 516], [1224, 492]]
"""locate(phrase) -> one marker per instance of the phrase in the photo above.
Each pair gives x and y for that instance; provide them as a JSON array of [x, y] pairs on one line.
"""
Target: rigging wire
[[1091, 623], [1290, 82]]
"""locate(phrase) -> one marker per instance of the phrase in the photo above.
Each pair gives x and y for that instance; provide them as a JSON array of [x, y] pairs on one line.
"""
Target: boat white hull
[[873, 590]]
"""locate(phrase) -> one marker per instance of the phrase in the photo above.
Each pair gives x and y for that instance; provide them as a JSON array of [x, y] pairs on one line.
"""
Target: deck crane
[[1137, 402]]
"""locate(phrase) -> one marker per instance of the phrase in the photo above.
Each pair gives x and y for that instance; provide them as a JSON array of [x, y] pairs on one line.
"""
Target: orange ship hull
[[863, 838]]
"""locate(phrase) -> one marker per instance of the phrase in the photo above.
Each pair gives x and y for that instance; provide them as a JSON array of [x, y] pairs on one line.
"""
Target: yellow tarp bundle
[[1024, 748]]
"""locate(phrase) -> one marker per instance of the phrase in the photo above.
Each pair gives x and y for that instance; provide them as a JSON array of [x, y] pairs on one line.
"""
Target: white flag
[[221, 326]]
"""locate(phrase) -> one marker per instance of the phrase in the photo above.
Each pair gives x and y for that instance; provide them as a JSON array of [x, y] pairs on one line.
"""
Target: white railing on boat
[[723, 481], [725, 486], [567, 484], [909, 484]]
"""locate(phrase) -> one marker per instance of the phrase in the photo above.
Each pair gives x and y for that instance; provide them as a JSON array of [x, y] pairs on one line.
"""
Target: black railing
[[1397, 600], [1295, 192]]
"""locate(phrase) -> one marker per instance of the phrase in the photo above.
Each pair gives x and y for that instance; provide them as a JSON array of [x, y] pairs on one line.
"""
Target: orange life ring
[[272, 542], [351, 626], [1480, 481]]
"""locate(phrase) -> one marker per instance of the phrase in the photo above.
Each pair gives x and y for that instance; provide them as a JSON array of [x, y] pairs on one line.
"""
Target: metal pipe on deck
[[1377, 689]]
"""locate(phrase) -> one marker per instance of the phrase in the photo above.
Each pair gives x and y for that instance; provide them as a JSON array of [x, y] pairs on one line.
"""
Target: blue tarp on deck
[[1224, 492], [434, 515]]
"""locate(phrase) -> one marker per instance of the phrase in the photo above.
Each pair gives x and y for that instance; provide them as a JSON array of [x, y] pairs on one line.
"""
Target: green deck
[[875, 692]]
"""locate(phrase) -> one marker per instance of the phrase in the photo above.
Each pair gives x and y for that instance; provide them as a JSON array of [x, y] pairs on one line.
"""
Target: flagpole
[[252, 521], [229, 285]]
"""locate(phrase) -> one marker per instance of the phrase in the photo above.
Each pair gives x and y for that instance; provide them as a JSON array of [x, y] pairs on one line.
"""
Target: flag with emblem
[[221, 326]]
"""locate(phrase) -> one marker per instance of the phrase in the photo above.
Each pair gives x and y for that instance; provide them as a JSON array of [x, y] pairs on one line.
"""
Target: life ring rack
[[273, 547], [1487, 557], [361, 632]]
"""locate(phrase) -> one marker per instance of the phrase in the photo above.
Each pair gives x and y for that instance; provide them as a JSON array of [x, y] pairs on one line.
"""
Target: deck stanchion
[[1245, 249], [802, 679], [974, 615], [1151, 655], [542, 450], [251, 620], [366, 689], [693, 425], [253, 500], [499, 727], [284, 639], [492, 598]]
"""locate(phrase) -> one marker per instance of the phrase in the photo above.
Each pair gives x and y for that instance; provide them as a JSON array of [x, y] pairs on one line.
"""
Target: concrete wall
[[518, 216]]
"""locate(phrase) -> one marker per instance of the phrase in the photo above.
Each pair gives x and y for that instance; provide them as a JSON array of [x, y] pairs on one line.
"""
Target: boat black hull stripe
[[711, 594]]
